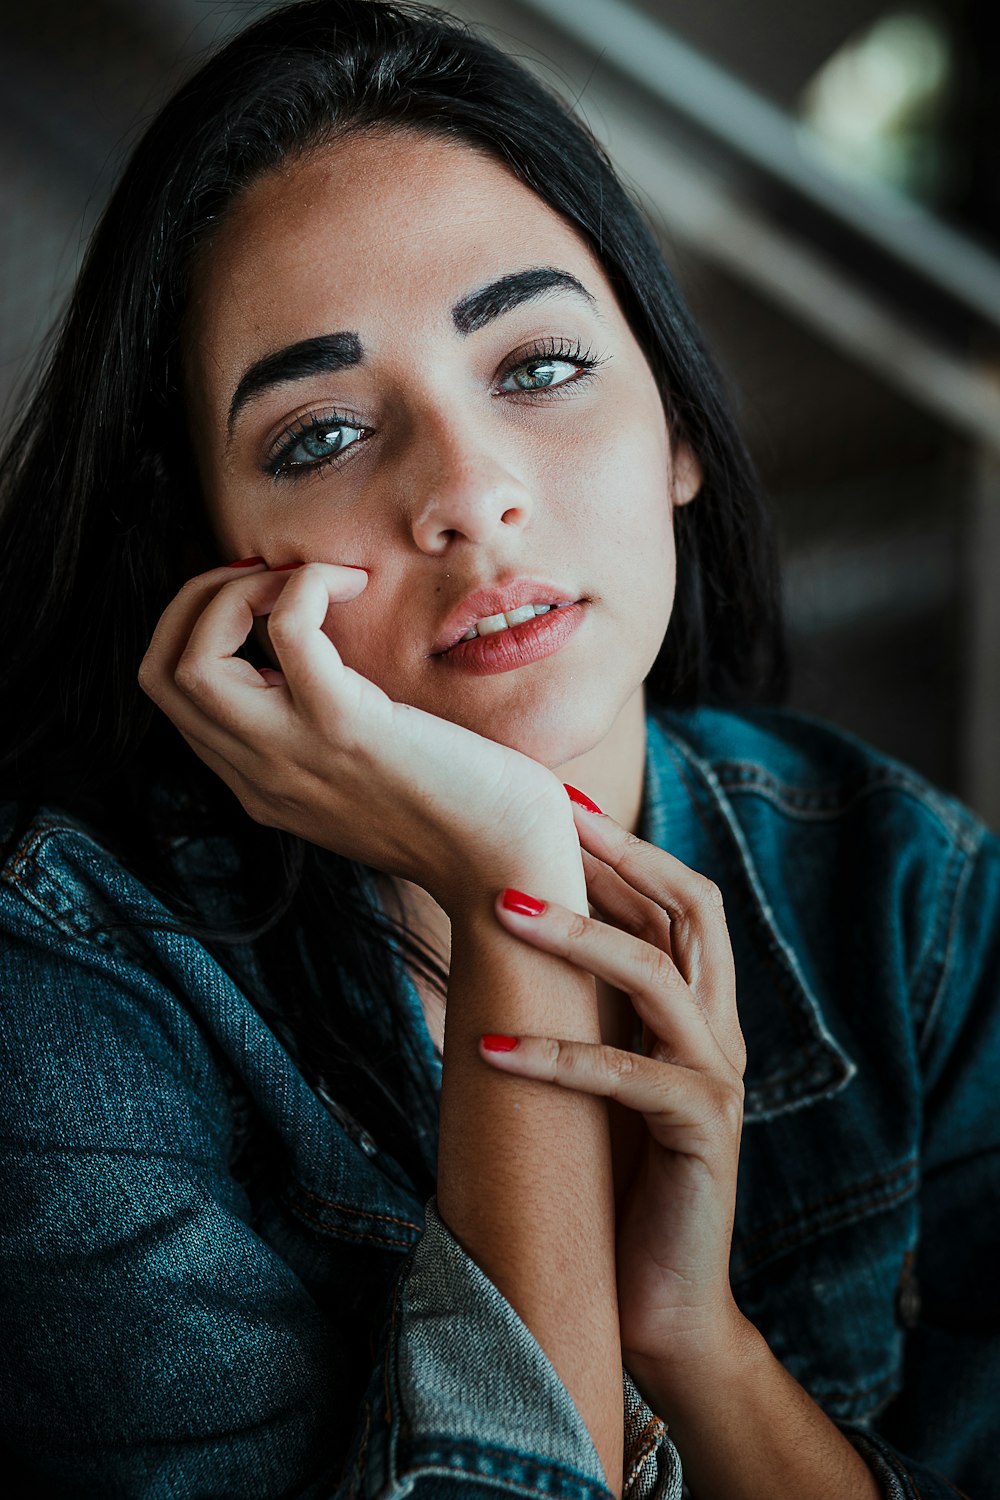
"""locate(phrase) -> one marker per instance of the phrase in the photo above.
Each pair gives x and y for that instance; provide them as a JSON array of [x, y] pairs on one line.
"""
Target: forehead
[[385, 231]]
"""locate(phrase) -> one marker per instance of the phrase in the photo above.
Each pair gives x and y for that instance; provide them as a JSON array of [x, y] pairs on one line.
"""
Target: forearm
[[746, 1430], [524, 1173]]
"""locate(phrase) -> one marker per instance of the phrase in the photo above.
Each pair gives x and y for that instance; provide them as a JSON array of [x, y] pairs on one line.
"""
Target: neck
[[612, 773]]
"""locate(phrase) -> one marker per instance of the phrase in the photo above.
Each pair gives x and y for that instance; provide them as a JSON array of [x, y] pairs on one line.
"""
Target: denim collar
[[793, 1060]]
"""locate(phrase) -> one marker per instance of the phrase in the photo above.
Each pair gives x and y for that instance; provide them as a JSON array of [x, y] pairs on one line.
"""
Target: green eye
[[311, 445], [548, 364], [539, 373]]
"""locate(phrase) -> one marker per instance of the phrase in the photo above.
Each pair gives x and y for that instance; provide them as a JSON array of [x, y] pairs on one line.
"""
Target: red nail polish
[[499, 1043], [581, 798], [245, 562], [528, 906], [285, 567]]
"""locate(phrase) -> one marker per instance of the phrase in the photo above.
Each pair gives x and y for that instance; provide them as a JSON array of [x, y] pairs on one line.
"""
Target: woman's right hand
[[320, 751]]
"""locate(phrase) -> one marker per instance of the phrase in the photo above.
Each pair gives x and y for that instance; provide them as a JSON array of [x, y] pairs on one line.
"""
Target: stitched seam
[[965, 875], [32, 897], [744, 1266], [944, 916], [832, 1199], [489, 1451], [359, 1236], [737, 855], [76, 920], [646, 1444], [358, 1212], [753, 779]]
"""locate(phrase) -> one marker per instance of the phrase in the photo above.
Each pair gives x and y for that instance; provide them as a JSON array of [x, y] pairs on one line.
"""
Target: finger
[[307, 656], [174, 627], [653, 983], [208, 692], [699, 938], [614, 900], [670, 1097]]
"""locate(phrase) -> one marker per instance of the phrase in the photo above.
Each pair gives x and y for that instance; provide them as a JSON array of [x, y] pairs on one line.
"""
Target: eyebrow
[[324, 355], [330, 352], [498, 297]]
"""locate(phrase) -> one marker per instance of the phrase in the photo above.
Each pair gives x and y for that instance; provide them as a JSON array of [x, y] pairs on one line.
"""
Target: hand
[[664, 944], [317, 749]]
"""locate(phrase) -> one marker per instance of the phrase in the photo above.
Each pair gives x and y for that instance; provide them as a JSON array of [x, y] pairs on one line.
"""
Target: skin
[[461, 482], [460, 486]]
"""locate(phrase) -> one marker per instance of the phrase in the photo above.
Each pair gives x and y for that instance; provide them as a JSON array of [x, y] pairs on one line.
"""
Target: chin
[[553, 734]]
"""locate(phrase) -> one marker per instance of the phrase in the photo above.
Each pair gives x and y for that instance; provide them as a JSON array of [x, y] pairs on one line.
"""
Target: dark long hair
[[102, 517]]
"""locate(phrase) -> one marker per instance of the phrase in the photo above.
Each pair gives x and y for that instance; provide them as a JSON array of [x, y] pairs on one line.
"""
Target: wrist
[[537, 851], [676, 1383]]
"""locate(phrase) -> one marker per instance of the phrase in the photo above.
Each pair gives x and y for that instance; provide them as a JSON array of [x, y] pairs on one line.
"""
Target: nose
[[464, 489]]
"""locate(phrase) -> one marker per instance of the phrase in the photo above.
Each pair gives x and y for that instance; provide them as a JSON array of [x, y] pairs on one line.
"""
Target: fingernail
[[285, 567], [519, 901], [499, 1043], [245, 562], [581, 798]]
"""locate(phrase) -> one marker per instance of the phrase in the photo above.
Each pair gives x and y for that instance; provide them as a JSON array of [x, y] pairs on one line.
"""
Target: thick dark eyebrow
[[330, 352], [324, 355], [498, 297]]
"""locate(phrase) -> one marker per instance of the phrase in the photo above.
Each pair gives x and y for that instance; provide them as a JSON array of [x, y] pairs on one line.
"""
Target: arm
[[525, 1173], [157, 1341], [318, 750], [744, 1428]]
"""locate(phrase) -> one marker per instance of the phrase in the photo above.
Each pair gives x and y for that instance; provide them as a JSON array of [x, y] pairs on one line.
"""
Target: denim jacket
[[169, 1332]]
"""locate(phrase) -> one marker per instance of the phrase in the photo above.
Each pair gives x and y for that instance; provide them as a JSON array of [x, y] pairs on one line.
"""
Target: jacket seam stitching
[[764, 1237], [792, 799], [348, 1208], [358, 1236], [933, 1005]]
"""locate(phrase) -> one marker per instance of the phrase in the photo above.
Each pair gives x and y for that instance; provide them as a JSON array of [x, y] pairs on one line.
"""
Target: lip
[[497, 601], [532, 640]]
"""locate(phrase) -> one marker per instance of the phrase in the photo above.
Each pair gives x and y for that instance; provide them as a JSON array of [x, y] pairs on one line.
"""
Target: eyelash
[[546, 349]]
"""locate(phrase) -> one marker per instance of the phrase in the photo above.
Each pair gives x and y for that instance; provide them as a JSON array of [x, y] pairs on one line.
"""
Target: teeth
[[493, 624]]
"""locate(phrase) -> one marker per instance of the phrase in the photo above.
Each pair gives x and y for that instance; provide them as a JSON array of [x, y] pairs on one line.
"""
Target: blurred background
[[824, 183]]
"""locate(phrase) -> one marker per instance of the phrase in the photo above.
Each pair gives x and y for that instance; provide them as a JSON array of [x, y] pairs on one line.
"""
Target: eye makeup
[[308, 433]]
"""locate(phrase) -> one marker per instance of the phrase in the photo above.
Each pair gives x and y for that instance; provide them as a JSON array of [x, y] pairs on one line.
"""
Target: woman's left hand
[[664, 944]]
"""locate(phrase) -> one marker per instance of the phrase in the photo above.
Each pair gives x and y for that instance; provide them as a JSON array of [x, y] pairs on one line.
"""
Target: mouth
[[497, 611], [511, 646]]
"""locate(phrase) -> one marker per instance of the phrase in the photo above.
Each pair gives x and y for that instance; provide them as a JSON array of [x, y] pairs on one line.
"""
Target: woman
[[379, 454]]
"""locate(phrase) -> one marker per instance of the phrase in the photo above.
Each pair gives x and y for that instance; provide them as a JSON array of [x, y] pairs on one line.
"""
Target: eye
[[311, 443], [538, 374], [547, 365]]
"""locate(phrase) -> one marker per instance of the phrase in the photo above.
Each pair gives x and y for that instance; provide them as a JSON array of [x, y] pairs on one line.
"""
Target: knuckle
[[709, 894], [726, 1098], [190, 676], [562, 1055], [577, 925], [619, 1065], [661, 972], [256, 807], [146, 676]]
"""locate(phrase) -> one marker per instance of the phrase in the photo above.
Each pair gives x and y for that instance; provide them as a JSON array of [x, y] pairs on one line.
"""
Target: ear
[[686, 476]]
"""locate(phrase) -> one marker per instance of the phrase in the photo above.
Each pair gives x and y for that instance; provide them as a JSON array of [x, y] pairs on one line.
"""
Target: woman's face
[[448, 431]]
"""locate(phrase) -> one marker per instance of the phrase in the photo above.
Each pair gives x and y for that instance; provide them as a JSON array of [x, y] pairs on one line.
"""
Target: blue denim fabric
[[172, 1328]]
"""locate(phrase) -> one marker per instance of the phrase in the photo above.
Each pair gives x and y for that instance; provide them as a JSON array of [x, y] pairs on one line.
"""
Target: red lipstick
[[518, 645]]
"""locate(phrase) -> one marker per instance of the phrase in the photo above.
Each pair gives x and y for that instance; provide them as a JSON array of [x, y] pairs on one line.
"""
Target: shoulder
[[872, 877], [811, 770], [112, 1016]]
